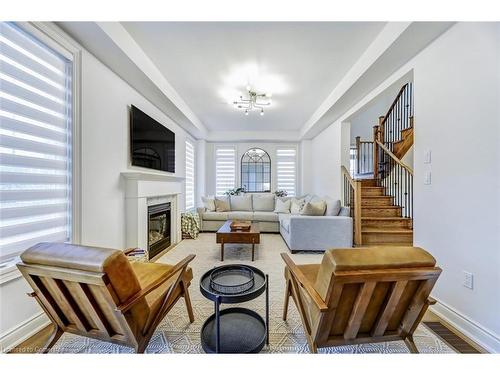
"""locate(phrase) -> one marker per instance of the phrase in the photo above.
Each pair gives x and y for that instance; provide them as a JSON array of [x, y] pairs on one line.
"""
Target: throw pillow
[[222, 204], [208, 203], [282, 206], [297, 205], [332, 207], [263, 202], [314, 209], [241, 203]]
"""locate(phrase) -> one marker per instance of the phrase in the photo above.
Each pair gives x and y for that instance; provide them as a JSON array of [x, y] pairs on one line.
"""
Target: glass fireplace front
[[158, 228]]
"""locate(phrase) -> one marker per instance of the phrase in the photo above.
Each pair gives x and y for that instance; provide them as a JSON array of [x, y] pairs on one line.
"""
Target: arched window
[[256, 171]]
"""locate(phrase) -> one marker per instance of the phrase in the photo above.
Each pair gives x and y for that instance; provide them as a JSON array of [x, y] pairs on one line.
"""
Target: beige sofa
[[256, 207]]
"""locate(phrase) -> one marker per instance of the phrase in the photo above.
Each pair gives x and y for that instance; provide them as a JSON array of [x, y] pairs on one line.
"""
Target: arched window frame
[[265, 161]]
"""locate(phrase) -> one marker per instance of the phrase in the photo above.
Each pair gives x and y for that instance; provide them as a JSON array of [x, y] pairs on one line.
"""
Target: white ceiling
[[300, 63]]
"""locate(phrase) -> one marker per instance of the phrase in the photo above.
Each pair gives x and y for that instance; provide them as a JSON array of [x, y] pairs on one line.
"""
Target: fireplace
[[159, 232]]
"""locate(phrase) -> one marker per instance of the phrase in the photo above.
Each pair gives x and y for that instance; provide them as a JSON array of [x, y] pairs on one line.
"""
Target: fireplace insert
[[158, 229]]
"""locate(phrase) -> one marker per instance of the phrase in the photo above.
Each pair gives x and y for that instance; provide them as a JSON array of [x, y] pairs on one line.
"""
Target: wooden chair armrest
[[304, 283], [128, 304], [431, 301]]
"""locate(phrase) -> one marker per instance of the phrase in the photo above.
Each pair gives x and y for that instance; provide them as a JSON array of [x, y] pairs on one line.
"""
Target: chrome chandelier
[[254, 101]]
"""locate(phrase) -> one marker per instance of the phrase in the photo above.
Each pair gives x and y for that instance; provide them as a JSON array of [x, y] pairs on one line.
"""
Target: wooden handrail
[[394, 103], [348, 175], [394, 157]]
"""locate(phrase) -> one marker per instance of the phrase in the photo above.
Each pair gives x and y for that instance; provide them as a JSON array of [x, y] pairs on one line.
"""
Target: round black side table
[[235, 329]]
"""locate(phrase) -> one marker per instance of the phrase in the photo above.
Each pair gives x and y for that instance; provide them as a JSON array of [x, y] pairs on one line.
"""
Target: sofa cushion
[[215, 216], [332, 207], [265, 216], [240, 215], [241, 202], [314, 209], [344, 211], [222, 204], [283, 206], [208, 203], [296, 206], [263, 202]]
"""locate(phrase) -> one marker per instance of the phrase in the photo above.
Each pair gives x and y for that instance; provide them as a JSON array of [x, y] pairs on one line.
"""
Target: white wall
[[456, 87], [241, 148], [105, 151], [457, 84]]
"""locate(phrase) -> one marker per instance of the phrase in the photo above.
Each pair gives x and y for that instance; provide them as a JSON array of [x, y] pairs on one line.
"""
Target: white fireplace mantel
[[143, 189]]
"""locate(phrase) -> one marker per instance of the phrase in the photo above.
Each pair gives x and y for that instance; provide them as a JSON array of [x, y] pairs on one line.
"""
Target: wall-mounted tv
[[152, 145]]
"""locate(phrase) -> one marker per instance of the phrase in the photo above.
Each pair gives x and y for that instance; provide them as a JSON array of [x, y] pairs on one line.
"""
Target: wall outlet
[[427, 178], [427, 157], [468, 280]]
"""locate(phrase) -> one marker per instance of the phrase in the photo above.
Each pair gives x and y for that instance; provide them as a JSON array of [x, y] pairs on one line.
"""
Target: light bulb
[[262, 112]]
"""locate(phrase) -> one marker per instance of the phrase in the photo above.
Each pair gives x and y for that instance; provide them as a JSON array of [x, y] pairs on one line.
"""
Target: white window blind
[[35, 143], [189, 176], [225, 169], [286, 170]]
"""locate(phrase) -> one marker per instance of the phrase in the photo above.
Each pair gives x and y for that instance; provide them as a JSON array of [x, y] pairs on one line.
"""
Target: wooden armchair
[[363, 295], [98, 293]]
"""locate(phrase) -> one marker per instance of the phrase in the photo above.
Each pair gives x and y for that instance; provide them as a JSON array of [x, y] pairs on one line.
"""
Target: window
[[35, 143], [286, 170], [189, 176], [256, 171], [225, 169]]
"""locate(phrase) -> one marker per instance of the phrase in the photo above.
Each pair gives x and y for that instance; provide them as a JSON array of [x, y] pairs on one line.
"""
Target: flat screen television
[[152, 145]]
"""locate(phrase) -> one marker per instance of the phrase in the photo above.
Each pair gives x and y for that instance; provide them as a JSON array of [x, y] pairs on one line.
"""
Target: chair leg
[[287, 298], [54, 336], [313, 348], [187, 299], [411, 344]]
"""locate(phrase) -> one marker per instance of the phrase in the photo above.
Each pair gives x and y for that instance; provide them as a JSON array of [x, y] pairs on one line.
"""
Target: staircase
[[382, 222], [382, 206]]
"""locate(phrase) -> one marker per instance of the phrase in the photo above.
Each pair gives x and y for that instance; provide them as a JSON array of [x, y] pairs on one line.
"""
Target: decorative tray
[[232, 279], [240, 225]]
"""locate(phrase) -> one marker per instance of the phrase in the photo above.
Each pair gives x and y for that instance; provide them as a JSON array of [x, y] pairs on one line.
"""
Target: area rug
[[176, 335]]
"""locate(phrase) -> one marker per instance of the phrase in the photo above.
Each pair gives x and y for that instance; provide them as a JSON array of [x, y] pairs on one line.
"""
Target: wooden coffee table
[[225, 235]]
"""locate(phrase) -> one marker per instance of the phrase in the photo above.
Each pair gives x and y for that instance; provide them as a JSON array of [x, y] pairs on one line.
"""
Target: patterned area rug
[[176, 335]]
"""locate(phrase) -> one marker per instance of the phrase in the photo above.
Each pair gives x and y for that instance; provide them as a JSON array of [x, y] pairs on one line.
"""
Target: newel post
[[358, 142], [357, 213], [381, 134], [375, 151]]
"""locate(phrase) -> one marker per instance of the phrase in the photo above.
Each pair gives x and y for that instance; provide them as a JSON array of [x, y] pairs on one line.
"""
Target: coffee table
[[225, 235]]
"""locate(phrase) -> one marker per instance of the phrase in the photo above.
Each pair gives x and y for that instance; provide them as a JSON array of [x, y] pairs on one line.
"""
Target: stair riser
[[368, 183], [387, 238], [372, 192], [405, 224], [380, 212], [379, 201]]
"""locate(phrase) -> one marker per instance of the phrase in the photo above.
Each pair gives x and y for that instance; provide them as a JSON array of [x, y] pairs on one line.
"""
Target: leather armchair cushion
[[372, 258], [148, 273]]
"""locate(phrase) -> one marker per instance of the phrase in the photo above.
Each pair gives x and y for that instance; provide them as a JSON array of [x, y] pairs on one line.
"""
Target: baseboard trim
[[475, 331], [23, 331]]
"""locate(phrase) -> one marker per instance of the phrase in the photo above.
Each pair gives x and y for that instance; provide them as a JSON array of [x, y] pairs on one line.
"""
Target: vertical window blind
[[225, 169], [35, 143], [189, 176], [286, 170]]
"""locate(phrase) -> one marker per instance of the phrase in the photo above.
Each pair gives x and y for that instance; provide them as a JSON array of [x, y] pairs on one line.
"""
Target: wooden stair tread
[[365, 206], [376, 196]]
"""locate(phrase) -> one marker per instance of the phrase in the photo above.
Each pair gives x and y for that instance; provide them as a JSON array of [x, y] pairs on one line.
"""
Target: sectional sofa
[[300, 232]]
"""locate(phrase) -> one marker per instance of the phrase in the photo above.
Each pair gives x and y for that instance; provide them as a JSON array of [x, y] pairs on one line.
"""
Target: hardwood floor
[[457, 340]]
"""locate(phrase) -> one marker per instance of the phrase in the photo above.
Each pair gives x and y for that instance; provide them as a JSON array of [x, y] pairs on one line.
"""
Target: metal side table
[[235, 329]]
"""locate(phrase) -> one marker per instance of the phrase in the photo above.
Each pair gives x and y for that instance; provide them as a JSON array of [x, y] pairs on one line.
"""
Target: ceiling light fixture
[[253, 101]]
